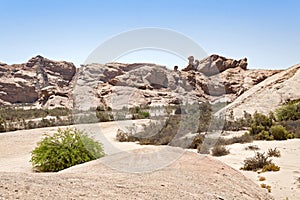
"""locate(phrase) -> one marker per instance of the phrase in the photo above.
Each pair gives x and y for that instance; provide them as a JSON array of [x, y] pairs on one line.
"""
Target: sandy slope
[[172, 173]]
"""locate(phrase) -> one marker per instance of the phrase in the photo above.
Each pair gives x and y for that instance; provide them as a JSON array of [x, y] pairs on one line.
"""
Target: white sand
[[283, 183]]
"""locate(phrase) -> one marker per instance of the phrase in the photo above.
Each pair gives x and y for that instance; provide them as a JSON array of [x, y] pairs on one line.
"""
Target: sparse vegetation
[[273, 153], [245, 138], [18, 118], [261, 161], [220, 151], [139, 113], [252, 147], [256, 163], [268, 187], [263, 128], [270, 167], [261, 178], [64, 149]]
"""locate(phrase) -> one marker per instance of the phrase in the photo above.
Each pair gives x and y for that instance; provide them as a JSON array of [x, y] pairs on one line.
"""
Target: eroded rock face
[[49, 84], [30, 83]]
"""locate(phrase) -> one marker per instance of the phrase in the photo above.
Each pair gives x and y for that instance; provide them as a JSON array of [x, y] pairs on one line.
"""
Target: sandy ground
[[156, 172], [284, 183]]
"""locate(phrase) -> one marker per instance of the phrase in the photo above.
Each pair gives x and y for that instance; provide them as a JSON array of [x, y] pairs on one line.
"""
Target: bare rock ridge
[[44, 83], [40, 82], [268, 95]]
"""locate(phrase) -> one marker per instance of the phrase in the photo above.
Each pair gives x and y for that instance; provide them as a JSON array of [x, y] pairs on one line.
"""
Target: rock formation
[[267, 95], [44, 83], [39, 82], [144, 84]]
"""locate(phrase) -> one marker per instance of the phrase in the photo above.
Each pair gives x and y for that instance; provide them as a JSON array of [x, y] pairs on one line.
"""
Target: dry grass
[[220, 151]]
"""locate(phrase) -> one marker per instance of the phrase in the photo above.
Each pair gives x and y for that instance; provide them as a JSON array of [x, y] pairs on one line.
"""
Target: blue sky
[[266, 32]]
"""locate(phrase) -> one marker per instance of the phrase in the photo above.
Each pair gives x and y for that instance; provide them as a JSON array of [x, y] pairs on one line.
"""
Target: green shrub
[[141, 115], [257, 129], [280, 133], [220, 151], [290, 111], [264, 135], [64, 149]]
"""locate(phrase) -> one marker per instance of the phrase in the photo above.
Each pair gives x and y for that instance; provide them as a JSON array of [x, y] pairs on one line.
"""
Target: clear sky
[[266, 32]]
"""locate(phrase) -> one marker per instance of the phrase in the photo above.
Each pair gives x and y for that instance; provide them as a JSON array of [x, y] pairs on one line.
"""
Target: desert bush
[[264, 135], [256, 163], [270, 167], [252, 147], [280, 133], [268, 187], [261, 178], [232, 124], [273, 153], [245, 138], [12, 113], [64, 149], [104, 116], [139, 113], [220, 151], [2, 125], [260, 126], [198, 140], [58, 112], [262, 161]]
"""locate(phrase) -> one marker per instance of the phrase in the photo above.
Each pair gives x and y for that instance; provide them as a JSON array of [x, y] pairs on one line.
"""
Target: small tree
[[64, 149]]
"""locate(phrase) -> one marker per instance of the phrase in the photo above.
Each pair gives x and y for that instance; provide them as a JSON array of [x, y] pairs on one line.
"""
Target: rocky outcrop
[[40, 82], [48, 84], [215, 64], [267, 95], [144, 84]]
